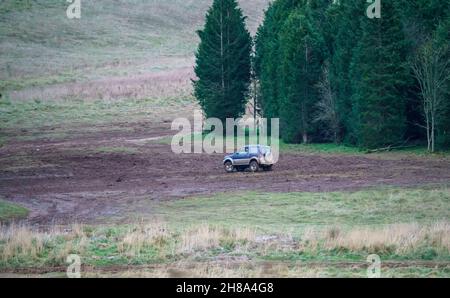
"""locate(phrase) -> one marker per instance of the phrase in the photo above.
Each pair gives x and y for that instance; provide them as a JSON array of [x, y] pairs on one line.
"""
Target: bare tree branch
[[431, 69]]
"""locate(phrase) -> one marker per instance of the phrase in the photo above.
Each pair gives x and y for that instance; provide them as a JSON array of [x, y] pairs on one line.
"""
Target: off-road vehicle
[[252, 157]]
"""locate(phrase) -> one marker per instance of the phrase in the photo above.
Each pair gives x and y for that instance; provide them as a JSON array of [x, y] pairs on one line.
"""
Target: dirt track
[[71, 180], [177, 270]]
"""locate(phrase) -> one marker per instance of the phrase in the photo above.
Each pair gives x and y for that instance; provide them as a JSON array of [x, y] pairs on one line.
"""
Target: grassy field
[[59, 120], [295, 211], [9, 211], [296, 234], [128, 40], [40, 115]]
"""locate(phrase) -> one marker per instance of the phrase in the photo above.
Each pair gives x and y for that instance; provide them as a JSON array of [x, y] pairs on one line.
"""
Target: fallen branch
[[389, 148]]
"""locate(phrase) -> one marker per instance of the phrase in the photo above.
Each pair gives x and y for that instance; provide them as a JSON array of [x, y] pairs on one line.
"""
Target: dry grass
[[164, 84], [206, 236], [196, 270], [228, 252], [398, 238], [142, 236], [21, 241], [200, 238]]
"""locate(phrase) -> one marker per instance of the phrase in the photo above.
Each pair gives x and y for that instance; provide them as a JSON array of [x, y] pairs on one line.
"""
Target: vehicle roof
[[257, 146]]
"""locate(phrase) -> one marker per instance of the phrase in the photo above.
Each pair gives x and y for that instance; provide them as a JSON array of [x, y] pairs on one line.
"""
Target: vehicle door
[[242, 157]]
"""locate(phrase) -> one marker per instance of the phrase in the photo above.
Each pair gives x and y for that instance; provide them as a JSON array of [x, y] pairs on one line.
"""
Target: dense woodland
[[331, 73]]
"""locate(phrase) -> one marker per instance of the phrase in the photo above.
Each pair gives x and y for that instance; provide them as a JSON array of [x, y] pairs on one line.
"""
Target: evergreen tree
[[302, 57], [379, 71], [421, 18], [322, 15], [223, 61], [372, 96], [267, 55], [348, 14]]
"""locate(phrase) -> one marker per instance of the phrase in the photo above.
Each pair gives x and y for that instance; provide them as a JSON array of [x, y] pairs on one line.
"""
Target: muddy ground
[[75, 179]]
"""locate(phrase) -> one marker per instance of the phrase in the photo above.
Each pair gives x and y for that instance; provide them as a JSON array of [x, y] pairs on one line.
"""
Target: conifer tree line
[[330, 73]]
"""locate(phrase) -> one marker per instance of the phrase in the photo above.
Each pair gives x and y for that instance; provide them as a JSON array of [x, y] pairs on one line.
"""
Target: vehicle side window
[[253, 150]]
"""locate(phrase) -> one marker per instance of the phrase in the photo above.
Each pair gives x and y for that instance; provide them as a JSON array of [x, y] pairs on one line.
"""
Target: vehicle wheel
[[254, 166], [229, 167], [268, 168]]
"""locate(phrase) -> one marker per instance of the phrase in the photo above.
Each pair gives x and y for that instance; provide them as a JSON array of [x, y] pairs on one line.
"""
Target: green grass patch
[[32, 115], [10, 211], [319, 148], [123, 150], [295, 211]]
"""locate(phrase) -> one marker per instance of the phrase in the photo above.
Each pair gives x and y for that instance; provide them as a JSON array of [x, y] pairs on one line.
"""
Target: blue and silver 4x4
[[252, 157]]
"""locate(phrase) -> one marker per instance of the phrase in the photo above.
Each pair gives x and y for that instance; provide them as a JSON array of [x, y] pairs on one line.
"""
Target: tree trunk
[[432, 133], [305, 138], [304, 113], [428, 131]]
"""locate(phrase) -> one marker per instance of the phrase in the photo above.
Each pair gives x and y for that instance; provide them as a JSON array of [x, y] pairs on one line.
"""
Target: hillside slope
[[118, 49]]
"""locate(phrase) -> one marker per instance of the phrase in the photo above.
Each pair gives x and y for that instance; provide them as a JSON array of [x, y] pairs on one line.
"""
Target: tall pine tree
[[302, 56], [347, 23], [379, 72], [374, 95], [223, 61], [268, 55]]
